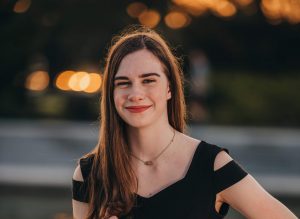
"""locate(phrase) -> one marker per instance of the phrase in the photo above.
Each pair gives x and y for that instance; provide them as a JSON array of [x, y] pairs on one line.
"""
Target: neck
[[148, 142]]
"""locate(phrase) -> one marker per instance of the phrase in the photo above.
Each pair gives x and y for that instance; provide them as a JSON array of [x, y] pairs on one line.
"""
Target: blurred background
[[241, 59]]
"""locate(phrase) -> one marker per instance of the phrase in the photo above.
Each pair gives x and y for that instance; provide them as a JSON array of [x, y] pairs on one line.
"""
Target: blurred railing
[[37, 160]]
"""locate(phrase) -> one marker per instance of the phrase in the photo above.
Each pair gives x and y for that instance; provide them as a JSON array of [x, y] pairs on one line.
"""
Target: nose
[[136, 93]]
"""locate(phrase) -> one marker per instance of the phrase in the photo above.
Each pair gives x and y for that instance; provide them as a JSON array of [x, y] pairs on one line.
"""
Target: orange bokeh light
[[95, 83], [62, 80], [22, 6], [149, 18], [278, 10], [176, 20], [37, 81], [224, 8], [193, 7], [135, 9], [79, 81]]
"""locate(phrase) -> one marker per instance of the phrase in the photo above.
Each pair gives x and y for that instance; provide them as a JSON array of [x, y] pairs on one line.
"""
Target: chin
[[137, 123]]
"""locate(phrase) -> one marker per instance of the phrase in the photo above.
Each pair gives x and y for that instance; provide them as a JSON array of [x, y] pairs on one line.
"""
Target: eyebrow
[[140, 76]]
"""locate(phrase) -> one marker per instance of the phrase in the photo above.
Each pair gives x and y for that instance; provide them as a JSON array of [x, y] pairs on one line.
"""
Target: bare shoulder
[[78, 174], [188, 140], [221, 159]]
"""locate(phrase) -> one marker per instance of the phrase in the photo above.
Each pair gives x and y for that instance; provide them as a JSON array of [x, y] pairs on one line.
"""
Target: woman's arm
[[80, 209], [249, 198]]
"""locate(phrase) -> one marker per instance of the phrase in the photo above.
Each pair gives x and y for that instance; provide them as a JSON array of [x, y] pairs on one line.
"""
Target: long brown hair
[[112, 182]]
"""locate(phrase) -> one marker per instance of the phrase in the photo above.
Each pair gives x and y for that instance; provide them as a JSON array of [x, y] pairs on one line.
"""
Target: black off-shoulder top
[[192, 197]]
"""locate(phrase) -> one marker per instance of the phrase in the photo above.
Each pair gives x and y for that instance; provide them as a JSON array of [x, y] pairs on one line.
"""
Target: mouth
[[137, 109]]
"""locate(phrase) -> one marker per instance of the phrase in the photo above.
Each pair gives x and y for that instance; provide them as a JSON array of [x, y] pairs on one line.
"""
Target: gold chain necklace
[[150, 162]]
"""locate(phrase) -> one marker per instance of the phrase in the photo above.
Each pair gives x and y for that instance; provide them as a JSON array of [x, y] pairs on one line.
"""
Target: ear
[[169, 93]]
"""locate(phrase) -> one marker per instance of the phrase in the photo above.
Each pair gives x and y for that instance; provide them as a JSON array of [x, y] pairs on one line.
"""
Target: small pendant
[[148, 163]]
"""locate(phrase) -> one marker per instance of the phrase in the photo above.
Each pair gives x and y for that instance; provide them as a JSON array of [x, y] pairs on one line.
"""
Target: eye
[[148, 81], [122, 83]]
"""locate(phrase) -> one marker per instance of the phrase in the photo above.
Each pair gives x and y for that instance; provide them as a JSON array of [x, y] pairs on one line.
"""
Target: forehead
[[140, 62]]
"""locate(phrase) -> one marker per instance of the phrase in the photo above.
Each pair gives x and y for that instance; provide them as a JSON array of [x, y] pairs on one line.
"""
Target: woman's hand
[[113, 217]]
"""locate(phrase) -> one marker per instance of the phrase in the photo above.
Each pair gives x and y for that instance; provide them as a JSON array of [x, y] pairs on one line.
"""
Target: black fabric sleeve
[[80, 190], [86, 166], [228, 175]]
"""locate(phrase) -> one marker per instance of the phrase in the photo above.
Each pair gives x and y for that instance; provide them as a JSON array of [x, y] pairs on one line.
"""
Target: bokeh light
[[275, 10], [78, 81], [37, 81], [224, 8], [278, 10], [193, 7], [149, 18], [22, 6], [135, 9], [176, 20], [62, 80], [95, 83]]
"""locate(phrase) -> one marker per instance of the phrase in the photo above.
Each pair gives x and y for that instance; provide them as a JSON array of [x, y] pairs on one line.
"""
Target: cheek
[[118, 99], [159, 93], [159, 98]]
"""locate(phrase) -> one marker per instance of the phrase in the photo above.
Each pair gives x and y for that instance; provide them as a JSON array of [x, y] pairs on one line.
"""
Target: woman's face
[[141, 89]]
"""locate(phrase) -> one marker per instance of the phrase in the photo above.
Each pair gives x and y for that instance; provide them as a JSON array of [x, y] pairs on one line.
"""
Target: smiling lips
[[137, 109]]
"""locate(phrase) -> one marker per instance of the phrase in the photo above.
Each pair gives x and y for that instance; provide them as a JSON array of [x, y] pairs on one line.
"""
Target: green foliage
[[252, 99]]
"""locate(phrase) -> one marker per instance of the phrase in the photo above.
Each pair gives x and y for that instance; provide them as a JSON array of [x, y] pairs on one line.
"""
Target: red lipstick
[[137, 109]]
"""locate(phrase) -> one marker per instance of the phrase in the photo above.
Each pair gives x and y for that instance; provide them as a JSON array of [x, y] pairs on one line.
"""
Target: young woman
[[144, 165]]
